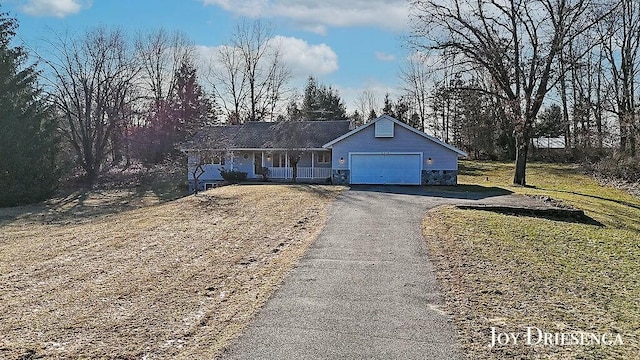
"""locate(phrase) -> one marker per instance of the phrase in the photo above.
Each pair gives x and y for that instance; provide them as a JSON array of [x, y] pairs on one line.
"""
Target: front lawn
[[510, 272], [90, 277]]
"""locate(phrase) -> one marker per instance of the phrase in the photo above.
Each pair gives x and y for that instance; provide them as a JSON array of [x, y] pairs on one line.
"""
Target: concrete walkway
[[364, 290]]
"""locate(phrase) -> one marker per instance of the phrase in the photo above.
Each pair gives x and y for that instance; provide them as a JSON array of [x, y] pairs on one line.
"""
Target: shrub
[[233, 176], [264, 172], [619, 167]]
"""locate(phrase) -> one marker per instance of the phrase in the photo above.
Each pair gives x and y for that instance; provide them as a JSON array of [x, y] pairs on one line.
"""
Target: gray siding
[[403, 141]]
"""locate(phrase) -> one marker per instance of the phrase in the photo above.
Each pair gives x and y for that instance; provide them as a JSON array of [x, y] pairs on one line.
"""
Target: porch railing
[[303, 173]]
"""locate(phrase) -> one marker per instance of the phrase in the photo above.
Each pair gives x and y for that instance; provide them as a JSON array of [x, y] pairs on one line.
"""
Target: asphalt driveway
[[364, 290]]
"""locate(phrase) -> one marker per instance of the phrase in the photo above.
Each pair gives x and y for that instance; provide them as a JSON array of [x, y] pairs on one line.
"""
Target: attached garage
[[386, 151], [386, 168]]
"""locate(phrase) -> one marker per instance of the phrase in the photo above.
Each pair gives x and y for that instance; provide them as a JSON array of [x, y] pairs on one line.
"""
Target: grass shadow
[[465, 192], [620, 202], [555, 214], [86, 204]]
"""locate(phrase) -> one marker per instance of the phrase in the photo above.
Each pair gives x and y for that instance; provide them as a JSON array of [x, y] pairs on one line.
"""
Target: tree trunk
[[91, 176], [565, 108], [623, 133], [294, 171], [522, 146]]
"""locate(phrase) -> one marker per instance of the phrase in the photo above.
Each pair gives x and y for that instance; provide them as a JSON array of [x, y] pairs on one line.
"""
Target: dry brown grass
[[172, 280]]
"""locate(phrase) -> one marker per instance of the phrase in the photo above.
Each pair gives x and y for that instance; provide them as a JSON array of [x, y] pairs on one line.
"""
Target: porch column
[[286, 163], [231, 162], [313, 160], [262, 159]]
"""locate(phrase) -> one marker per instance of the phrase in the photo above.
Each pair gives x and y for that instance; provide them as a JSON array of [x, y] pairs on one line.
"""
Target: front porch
[[311, 165], [286, 173]]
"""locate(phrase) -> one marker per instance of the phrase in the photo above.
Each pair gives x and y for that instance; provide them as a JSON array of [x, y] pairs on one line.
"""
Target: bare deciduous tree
[[516, 42], [161, 54], [92, 85], [229, 82], [250, 75], [620, 36], [367, 102], [415, 79]]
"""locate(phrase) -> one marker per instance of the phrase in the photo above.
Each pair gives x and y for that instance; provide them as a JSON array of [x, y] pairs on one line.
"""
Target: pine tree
[[372, 115], [192, 108], [388, 106], [321, 102], [28, 142], [176, 119]]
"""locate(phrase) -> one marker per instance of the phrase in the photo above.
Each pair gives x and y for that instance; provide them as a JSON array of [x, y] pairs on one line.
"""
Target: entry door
[[257, 163]]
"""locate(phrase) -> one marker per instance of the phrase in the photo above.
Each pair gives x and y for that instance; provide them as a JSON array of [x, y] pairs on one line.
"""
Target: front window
[[213, 159], [279, 160], [324, 158]]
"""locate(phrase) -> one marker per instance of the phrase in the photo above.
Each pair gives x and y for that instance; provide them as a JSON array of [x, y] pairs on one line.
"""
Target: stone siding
[[439, 177], [340, 177]]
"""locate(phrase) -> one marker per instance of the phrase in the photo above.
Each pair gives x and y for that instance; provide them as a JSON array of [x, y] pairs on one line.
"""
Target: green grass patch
[[613, 207], [512, 272]]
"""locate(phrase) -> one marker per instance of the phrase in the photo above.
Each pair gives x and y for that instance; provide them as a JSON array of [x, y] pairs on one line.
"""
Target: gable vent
[[384, 128]]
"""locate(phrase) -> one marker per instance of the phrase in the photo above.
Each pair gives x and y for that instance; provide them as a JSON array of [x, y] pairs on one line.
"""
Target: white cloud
[[382, 56], [306, 59], [317, 16], [302, 59], [56, 8]]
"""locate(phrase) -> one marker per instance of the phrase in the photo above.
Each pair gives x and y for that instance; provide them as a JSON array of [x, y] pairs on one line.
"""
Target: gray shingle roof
[[267, 135]]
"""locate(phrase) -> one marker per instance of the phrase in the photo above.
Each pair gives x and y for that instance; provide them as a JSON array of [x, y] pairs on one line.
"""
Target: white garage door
[[392, 169]]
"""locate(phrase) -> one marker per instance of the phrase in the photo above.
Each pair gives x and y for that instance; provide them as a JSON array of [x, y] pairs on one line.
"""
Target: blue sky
[[351, 44]]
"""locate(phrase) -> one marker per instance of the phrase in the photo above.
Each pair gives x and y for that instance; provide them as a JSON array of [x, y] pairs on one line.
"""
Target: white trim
[[387, 117]]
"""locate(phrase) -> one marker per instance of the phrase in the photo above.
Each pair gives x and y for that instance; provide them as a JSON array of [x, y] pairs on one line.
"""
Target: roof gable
[[399, 123]]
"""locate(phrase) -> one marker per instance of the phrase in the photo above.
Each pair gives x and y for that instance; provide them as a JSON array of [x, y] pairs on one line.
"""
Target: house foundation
[[439, 177], [340, 177]]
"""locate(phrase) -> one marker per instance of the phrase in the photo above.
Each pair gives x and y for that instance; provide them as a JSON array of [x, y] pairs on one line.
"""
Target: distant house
[[383, 151], [548, 142]]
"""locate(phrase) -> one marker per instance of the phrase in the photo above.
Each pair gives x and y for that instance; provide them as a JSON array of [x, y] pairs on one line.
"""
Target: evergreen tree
[[549, 122], [28, 170], [310, 102], [401, 109], [322, 103], [388, 106], [293, 112], [372, 115], [192, 108], [187, 110]]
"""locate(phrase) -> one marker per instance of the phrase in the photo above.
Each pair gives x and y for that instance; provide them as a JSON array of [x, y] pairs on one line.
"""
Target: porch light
[[269, 157], [341, 160], [429, 161]]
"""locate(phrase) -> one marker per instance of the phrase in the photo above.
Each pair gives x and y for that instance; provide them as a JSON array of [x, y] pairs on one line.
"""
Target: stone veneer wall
[[340, 177], [439, 177]]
